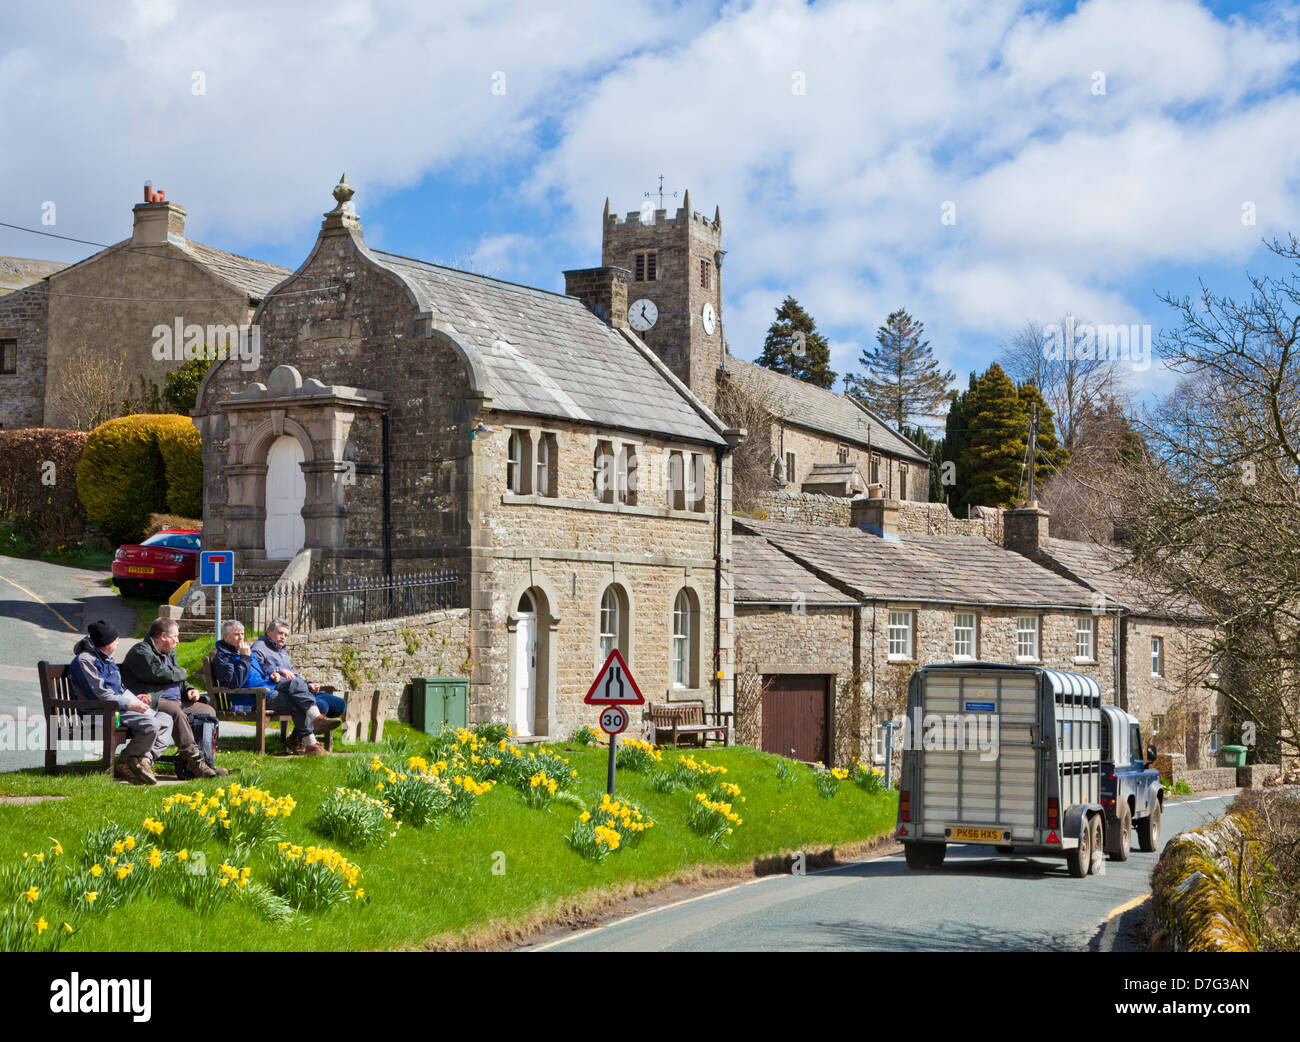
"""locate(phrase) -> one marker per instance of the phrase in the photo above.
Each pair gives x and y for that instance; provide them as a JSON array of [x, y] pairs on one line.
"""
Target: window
[[546, 478], [612, 624], [602, 472], [1157, 656], [875, 471], [704, 274], [685, 626], [644, 265], [902, 482], [1214, 735], [900, 634], [676, 481], [963, 635], [1157, 724], [695, 483], [1027, 637], [842, 452], [8, 356], [789, 467], [1084, 634], [515, 472], [625, 489]]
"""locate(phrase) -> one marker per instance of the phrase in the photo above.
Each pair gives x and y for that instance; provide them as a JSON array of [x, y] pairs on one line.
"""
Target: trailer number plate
[[974, 835]]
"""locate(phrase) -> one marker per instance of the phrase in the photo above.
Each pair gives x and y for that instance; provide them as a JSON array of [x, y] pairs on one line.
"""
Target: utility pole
[[1033, 446]]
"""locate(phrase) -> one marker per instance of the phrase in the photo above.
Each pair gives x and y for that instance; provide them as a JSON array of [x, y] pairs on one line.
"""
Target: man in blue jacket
[[95, 673], [271, 652], [235, 665]]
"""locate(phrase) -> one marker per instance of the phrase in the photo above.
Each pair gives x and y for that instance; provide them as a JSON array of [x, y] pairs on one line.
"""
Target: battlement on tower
[[683, 218]]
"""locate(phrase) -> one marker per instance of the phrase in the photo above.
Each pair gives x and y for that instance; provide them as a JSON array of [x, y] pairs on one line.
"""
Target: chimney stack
[[1025, 529], [157, 220], [604, 290], [875, 513]]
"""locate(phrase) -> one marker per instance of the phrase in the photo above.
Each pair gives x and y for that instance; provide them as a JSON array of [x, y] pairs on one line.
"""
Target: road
[[44, 609], [972, 903]]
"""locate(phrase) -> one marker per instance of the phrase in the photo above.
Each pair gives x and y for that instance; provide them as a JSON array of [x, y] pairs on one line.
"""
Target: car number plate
[[976, 835], [135, 570]]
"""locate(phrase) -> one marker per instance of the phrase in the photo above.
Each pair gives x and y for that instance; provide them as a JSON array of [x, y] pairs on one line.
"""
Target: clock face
[[710, 319], [642, 314]]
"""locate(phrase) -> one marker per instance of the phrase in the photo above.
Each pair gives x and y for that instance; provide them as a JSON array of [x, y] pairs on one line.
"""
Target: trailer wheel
[[917, 854], [1079, 860], [1095, 866], [1124, 827], [1149, 829], [938, 851]]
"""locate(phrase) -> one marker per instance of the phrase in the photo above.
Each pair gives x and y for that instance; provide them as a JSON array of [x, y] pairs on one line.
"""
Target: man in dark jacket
[[234, 665], [151, 670], [273, 655], [95, 673]]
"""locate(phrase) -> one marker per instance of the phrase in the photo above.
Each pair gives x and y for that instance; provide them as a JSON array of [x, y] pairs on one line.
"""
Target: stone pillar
[[1025, 528], [875, 514], [604, 290]]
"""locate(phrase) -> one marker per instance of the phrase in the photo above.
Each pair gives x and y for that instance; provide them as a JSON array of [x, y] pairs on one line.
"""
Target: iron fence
[[342, 601]]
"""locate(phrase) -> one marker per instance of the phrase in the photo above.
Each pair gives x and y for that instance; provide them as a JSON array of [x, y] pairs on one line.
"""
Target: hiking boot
[[315, 749], [198, 766], [143, 771], [124, 770], [220, 772], [325, 724]]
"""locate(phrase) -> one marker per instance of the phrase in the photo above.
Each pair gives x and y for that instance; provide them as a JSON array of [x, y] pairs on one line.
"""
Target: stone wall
[[383, 657], [919, 518], [1188, 708], [805, 508], [811, 447], [923, 518], [24, 316], [1211, 779]]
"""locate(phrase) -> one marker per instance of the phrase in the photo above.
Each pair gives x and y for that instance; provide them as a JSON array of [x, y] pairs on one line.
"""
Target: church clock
[[642, 314]]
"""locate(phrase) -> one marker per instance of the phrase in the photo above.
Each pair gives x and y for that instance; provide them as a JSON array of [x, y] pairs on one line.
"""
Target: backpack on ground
[[206, 729]]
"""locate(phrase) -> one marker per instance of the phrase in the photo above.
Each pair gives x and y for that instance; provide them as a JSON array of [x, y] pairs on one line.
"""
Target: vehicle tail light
[[118, 556], [178, 558], [1052, 837], [904, 806], [1112, 775], [1053, 812]]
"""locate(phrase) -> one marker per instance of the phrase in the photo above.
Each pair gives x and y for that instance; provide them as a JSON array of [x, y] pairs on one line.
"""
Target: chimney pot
[[157, 220]]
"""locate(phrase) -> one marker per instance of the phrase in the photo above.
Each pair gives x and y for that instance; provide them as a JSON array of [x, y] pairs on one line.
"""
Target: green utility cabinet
[[439, 700]]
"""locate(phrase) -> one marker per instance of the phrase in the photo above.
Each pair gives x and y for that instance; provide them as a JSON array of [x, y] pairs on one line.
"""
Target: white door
[[525, 673], [286, 491]]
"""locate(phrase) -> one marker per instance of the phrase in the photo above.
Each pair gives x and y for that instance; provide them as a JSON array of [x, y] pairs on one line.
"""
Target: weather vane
[[661, 192]]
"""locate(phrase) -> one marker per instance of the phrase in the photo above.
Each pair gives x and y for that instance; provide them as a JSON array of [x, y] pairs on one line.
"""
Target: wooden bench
[[66, 715], [223, 703], [677, 720]]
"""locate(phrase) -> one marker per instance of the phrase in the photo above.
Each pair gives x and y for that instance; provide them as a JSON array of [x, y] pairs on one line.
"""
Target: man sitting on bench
[[151, 670], [234, 665], [270, 651], [93, 671]]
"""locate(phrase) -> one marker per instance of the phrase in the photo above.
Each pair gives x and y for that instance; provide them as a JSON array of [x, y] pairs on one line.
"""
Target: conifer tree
[[901, 379], [794, 347]]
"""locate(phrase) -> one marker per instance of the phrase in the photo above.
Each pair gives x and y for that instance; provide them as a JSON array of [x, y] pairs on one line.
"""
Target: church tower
[[675, 295]]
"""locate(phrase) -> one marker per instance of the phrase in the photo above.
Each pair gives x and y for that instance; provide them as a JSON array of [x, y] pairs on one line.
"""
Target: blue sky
[[1092, 154]]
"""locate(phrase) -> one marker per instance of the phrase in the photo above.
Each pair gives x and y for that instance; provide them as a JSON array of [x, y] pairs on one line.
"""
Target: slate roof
[[803, 405], [1107, 568], [546, 354], [763, 574], [257, 278], [935, 568]]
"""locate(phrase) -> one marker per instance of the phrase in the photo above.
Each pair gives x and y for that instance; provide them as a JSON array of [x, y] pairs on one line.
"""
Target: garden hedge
[[140, 465], [38, 490]]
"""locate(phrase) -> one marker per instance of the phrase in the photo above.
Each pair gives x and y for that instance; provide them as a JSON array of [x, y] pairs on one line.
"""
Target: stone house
[[114, 302], [1165, 643], [827, 638], [405, 416]]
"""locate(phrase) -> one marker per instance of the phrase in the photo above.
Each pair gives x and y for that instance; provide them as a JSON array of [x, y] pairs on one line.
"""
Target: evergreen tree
[[933, 447], [901, 379], [956, 441], [181, 386], [794, 347]]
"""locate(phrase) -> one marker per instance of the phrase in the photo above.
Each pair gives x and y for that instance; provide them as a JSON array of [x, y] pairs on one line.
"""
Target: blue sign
[[980, 707], [217, 568]]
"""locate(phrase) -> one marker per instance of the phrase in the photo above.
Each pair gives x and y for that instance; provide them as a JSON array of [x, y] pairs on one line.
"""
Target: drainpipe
[[388, 503], [718, 453]]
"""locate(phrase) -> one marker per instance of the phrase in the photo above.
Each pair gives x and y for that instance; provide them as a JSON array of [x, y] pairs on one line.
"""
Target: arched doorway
[[523, 714], [286, 491]]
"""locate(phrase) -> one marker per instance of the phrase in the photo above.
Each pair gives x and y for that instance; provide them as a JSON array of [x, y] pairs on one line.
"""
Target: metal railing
[[342, 601]]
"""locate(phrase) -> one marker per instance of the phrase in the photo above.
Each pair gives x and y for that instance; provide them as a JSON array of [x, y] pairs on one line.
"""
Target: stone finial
[[686, 203], [344, 214], [343, 192]]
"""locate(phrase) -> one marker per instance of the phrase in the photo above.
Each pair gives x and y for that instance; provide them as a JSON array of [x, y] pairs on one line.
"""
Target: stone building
[[829, 631], [405, 416], [113, 303], [1164, 656], [674, 302]]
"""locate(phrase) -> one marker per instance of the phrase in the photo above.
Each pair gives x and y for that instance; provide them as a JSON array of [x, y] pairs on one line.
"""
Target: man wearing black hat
[[94, 671]]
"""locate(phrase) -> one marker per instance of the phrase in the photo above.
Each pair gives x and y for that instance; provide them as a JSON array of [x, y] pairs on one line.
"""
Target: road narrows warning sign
[[614, 685]]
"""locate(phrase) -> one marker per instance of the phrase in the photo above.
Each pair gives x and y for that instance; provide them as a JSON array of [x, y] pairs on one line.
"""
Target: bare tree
[[90, 387], [1213, 510], [1071, 379], [747, 403]]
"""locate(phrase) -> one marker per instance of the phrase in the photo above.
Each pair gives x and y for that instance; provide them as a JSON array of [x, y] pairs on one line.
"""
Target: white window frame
[[603, 465], [695, 481], [1157, 656], [608, 624], [681, 658], [1157, 722], [1085, 625], [542, 469], [676, 480], [899, 636], [625, 478], [1034, 630], [971, 630], [515, 453]]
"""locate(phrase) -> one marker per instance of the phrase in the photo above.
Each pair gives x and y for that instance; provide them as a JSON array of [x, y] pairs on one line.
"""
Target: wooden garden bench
[[223, 703], [676, 720], [67, 714]]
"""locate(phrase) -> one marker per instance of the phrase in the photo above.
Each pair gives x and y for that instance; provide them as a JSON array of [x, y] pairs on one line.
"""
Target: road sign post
[[614, 688], [217, 569]]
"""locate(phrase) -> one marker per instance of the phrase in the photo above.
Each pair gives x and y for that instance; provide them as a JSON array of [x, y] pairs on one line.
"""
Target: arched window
[[609, 622], [613, 624], [518, 459], [682, 633]]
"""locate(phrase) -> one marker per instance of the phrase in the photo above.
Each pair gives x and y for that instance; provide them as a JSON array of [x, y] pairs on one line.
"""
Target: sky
[[980, 164]]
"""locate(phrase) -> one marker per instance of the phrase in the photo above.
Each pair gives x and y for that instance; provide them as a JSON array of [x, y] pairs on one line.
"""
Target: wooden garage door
[[795, 717]]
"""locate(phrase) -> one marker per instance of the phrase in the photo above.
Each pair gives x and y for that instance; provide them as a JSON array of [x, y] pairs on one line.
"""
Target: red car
[[167, 558]]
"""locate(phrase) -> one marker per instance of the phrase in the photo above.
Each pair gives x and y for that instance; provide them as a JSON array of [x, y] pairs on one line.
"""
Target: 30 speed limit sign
[[613, 719]]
